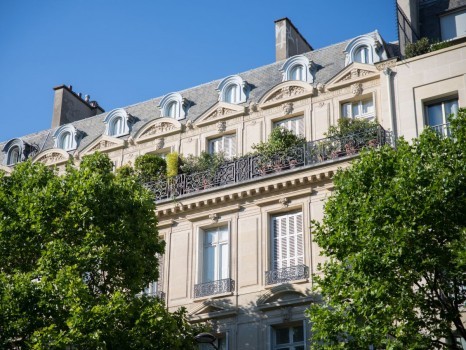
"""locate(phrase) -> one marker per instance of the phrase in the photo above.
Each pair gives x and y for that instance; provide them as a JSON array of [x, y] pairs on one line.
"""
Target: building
[[238, 252]]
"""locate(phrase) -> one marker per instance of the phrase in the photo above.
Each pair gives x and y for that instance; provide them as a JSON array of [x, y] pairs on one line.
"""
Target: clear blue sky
[[124, 52]]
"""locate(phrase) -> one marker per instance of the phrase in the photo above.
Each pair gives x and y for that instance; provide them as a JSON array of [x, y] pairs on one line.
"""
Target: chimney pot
[[86, 98]]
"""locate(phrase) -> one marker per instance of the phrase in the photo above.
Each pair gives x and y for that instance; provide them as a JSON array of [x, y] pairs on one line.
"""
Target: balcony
[[256, 167], [287, 274], [215, 287], [442, 130]]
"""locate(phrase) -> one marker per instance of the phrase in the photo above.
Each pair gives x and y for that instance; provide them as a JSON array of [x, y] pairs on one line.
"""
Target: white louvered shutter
[[287, 240], [346, 110], [295, 125]]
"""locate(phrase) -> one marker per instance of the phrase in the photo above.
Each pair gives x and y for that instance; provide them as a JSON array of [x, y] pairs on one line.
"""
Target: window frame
[[233, 152], [218, 275], [240, 86], [442, 102], [112, 119], [360, 105], [9, 155], [300, 127], [290, 345]]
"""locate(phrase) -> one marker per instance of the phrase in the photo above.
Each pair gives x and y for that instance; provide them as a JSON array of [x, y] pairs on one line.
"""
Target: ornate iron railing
[[287, 274], [442, 129], [256, 166], [215, 287]]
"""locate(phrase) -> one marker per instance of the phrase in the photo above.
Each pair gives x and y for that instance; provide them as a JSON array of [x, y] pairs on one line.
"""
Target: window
[[289, 337], [66, 137], [173, 106], [118, 123], [362, 54], [287, 240], [437, 114], [295, 125], [14, 155], [453, 25], [172, 110], [233, 89], [151, 289], [298, 68], [215, 256], [225, 144], [358, 109]]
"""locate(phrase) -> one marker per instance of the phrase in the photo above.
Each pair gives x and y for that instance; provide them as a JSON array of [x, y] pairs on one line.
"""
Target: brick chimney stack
[[288, 40], [68, 106]]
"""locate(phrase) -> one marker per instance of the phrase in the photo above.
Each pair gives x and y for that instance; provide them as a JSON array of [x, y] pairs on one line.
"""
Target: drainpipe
[[391, 110]]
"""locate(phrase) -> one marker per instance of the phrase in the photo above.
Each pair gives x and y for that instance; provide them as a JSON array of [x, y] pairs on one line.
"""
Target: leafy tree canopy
[[394, 233], [74, 252]]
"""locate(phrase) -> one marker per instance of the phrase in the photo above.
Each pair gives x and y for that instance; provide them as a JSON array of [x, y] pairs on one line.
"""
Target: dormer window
[[298, 68], [16, 151], [366, 49], [173, 106], [233, 89], [118, 123], [66, 137]]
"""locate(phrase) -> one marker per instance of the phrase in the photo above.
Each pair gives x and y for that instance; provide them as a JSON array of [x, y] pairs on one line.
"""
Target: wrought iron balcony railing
[[215, 287], [287, 274], [256, 166], [441, 129]]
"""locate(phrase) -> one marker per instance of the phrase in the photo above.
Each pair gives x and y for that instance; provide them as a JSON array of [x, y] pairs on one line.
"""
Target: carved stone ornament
[[386, 64], [286, 92], [284, 202], [252, 107], [76, 155], [103, 144], [220, 111], [286, 313], [159, 128], [189, 125], [288, 108], [214, 217], [221, 126], [131, 141], [52, 158], [356, 89], [320, 87], [159, 143]]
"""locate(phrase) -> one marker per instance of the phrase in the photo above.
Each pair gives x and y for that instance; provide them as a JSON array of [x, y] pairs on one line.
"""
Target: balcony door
[[287, 240]]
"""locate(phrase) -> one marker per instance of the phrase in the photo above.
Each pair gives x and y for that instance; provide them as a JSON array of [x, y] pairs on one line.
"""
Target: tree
[[74, 252], [394, 232]]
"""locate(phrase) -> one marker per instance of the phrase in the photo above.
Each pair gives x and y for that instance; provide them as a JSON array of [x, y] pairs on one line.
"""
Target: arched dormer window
[[118, 123], [66, 137], [298, 68], [16, 151], [233, 89], [173, 106], [365, 49]]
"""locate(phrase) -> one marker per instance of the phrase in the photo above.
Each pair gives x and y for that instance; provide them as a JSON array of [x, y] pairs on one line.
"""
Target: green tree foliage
[[172, 164], [204, 162], [346, 126], [280, 140], [150, 167], [74, 252], [394, 233]]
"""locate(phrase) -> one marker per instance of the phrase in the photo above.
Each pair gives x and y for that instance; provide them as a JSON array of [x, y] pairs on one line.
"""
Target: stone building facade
[[239, 250]]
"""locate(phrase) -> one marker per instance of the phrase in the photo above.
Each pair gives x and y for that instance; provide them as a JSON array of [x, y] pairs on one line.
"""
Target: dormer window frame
[[60, 135], [233, 89], [23, 151], [299, 62], [120, 119], [375, 50], [173, 106]]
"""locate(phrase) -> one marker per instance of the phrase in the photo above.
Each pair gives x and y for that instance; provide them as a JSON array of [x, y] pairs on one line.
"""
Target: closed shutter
[[225, 144], [295, 125], [287, 240]]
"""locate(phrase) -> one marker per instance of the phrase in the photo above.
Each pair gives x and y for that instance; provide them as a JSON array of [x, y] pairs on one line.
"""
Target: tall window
[[287, 240], [225, 144], [358, 109], [438, 113], [453, 25], [66, 141], [289, 338], [215, 254], [295, 125], [297, 72], [171, 110], [231, 93], [14, 155], [117, 127], [362, 55]]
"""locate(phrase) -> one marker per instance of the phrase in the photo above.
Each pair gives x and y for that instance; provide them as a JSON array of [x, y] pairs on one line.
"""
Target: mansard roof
[[329, 62]]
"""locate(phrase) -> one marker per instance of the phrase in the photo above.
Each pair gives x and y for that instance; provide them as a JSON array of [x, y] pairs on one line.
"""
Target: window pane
[[367, 106], [13, 156], [346, 110], [355, 110], [282, 336], [172, 110], [230, 94], [298, 334], [434, 114], [297, 73], [362, 55], [451, 107], [209, 264]]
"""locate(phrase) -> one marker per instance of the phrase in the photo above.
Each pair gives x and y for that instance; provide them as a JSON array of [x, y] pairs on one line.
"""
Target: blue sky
[[124, 52]]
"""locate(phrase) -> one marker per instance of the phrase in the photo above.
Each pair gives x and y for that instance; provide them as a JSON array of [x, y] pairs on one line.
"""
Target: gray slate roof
[[330, 61]]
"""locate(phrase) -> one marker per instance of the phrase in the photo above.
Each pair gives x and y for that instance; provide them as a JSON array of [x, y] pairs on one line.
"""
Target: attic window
[[16, 150], [298, 68], [118, 123], [366, 49], [233, 89], [173, 106], [66, 137]]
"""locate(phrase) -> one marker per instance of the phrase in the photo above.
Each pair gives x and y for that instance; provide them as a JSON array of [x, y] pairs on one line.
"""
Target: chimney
[[288, 40], [68, 106]]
